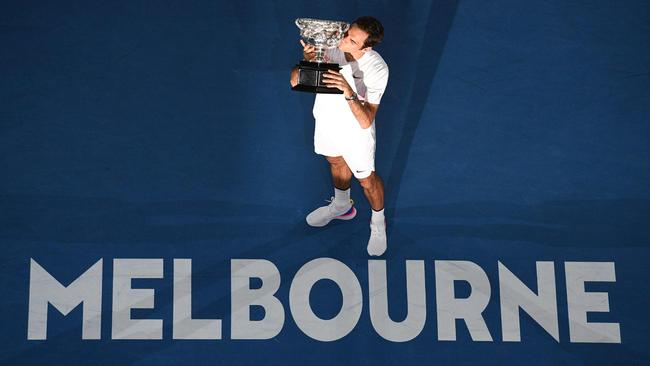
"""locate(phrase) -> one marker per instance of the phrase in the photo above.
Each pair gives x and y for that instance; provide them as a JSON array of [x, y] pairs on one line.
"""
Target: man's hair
[[374, 29]]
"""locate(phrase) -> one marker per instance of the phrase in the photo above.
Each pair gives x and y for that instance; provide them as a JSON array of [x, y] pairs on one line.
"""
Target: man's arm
[[308, 53], [364, 112], [294, 77]]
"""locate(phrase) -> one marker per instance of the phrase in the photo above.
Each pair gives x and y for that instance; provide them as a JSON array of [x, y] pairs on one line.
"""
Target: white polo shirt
[[368, 76], [337, 131]]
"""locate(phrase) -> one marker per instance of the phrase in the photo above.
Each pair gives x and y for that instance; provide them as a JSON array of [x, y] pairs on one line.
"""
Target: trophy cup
[[323, 35]]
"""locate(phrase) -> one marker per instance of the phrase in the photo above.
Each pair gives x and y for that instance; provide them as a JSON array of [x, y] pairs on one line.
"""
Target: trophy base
[[316, 89], [310, 77]]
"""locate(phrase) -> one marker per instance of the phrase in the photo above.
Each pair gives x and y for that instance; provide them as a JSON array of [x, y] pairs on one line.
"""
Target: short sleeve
[[376, 84]]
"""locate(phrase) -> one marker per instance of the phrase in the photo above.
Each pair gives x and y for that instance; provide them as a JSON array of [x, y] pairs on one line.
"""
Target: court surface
[[511, 132]]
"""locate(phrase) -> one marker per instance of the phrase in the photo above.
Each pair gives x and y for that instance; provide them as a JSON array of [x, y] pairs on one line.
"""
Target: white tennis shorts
[[336, 137]]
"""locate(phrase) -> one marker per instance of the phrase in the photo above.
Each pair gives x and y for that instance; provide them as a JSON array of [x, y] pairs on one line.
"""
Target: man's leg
[[341, 206], [341, 173], [373, 188]]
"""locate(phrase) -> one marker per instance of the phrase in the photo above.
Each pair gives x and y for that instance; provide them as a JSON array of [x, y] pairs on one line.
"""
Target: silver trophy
[[323, 35]]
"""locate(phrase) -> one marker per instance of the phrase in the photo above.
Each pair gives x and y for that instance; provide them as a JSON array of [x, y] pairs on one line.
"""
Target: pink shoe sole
[[352, 212]]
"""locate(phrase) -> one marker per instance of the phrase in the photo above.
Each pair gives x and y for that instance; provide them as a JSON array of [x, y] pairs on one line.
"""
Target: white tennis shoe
[[377, 243], [323, 215]]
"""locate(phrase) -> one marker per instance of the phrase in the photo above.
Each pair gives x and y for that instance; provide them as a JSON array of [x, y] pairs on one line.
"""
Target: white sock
[[341, 197], [378, 217]]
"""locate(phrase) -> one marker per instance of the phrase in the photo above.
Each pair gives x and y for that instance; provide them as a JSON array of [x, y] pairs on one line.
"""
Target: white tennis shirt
[[368, 77]]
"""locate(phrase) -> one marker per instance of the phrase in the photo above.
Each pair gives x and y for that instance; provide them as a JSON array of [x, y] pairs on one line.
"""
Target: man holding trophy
[[349, 79]]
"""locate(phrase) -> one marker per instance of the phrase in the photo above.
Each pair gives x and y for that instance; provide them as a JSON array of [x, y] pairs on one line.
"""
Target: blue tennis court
[[155, 152]]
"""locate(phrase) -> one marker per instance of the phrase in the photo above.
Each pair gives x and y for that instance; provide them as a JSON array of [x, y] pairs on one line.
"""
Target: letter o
[[347, 318]]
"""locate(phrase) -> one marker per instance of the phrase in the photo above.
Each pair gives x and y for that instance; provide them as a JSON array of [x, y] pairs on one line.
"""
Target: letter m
[[44, 289]]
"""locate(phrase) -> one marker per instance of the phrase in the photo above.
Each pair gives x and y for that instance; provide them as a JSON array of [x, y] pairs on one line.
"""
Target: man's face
[[353, 40]]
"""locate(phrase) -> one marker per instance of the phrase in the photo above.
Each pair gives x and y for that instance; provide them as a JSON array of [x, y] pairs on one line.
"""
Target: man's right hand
[[308, 51]]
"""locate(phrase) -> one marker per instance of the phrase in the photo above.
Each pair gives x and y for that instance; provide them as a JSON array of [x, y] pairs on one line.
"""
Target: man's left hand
[[334, 79]]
